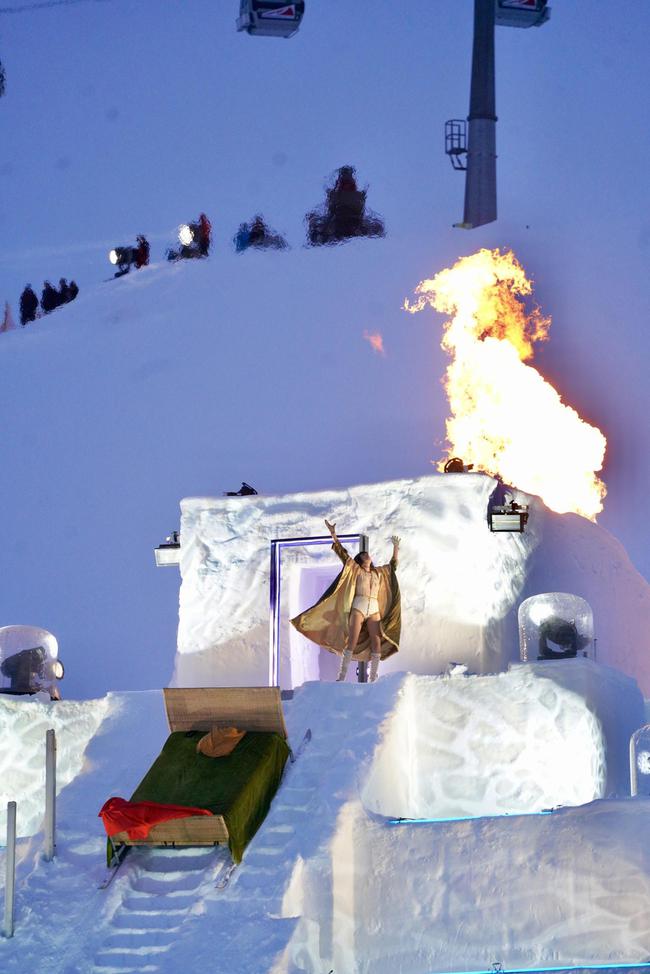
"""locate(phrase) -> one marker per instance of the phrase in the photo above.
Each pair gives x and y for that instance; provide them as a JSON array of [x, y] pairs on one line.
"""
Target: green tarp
[[240, 786]]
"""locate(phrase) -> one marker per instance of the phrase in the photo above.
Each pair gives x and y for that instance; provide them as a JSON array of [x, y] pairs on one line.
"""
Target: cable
[[499, 969], [41, 5]]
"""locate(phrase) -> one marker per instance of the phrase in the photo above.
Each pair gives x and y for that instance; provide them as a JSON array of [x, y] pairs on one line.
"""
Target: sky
[[123, 118]]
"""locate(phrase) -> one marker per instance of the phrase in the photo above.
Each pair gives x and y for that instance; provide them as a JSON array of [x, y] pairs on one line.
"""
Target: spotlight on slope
[[123, 258], [186, 234]]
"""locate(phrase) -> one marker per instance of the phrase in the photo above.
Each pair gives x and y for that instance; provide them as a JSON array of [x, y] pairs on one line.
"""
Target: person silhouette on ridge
[[28, 305]]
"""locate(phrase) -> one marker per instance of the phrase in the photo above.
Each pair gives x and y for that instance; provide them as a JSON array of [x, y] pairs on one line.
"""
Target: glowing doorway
[[292, 658]]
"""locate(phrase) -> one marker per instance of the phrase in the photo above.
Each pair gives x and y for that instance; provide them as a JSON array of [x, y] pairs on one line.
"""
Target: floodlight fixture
[[123, 258], [186, 234], [508, 517], [168, 554]]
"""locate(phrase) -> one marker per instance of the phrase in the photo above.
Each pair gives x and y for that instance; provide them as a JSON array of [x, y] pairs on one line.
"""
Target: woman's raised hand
[[331, 528], [396, 541]]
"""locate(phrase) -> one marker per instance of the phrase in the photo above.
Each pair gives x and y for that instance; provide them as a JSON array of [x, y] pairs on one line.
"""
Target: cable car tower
[[471, 145]]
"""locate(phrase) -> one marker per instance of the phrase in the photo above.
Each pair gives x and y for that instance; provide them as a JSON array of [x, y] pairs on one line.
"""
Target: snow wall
[[461, 585], [23, 725], [538, 736]]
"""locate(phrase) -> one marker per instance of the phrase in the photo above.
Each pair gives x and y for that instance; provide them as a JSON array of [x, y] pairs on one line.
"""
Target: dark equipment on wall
[[508, 517], [456, 465], [344, 214], [270, 18], [564, 638], [244, 491], [168, 553], [30, 670]]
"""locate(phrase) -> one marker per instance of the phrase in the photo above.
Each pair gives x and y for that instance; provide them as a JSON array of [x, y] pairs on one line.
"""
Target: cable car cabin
[[521, 13], [270, 18]]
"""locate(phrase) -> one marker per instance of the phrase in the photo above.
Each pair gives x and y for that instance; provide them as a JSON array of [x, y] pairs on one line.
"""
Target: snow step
[[169, 904], [107, 953], [139, 938], [111, 968], [139, 920], [268, 850], [169, 886], [158, 864]]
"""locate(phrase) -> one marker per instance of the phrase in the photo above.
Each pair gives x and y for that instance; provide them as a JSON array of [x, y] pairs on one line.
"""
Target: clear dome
[[28, 660], [555, 625], [640, 762]]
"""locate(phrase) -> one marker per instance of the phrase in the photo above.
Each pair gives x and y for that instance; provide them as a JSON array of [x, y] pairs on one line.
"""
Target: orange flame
[[376, 341], [506, 418]]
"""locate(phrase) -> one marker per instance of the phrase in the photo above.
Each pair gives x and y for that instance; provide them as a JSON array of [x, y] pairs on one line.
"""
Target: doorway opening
[[301, 570]]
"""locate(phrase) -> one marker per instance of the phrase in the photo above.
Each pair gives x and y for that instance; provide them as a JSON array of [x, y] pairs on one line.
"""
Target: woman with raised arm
[[359, 614]]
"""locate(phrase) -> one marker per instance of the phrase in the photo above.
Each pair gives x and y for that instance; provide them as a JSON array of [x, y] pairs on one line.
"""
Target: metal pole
[[10, 883], [634, 783], [50, 794], [273, 610], [481, 176], [362, 667]]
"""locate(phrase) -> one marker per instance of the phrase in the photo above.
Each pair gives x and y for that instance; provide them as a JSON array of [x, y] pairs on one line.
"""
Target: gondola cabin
[[269, 18], [521, 13]]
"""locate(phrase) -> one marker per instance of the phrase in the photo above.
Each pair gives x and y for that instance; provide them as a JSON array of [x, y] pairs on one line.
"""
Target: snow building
[[249, 564]]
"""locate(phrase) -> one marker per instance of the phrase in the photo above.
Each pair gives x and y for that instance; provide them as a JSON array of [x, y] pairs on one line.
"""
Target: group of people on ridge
[[51, 298], [343, 215]]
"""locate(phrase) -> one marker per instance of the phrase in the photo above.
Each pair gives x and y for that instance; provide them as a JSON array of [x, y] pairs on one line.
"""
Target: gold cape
[[327, 622]]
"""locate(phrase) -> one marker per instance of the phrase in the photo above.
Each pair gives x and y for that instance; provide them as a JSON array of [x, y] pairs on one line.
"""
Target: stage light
[[185, 234], [508, 517], [168, 553]]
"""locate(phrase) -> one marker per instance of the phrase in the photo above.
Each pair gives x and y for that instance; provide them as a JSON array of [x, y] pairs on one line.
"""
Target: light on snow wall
[[461, 585]]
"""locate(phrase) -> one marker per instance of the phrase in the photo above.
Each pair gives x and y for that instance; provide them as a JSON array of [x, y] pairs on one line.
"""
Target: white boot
[[345, 662], [374, 667]]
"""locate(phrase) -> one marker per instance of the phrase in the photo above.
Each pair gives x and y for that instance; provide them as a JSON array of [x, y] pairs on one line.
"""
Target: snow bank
[[461, 584], [570, 888], [514, 743], [23, 723]]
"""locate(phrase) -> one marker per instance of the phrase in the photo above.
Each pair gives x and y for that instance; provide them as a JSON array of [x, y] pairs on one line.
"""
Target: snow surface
[[461, 585], [327, 883], [507, 744], [23, 723]]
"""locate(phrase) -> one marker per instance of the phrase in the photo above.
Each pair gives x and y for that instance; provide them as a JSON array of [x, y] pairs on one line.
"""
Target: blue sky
[[122, 118]]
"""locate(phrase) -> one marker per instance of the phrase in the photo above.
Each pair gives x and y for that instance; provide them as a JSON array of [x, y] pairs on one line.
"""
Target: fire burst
[[505, 417]]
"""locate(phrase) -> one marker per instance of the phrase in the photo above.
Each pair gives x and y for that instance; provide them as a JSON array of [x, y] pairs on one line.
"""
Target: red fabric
[[137, 818]]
